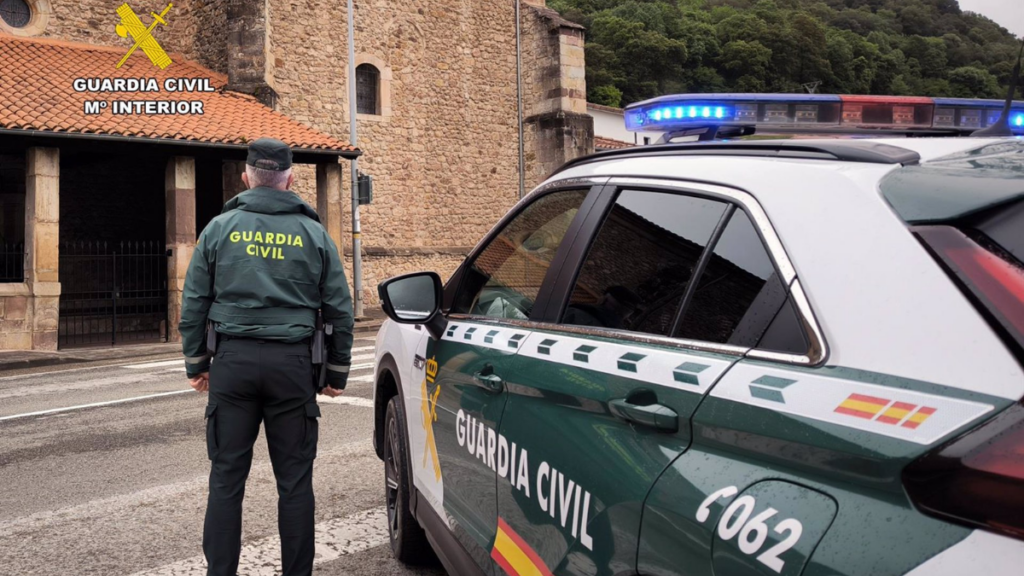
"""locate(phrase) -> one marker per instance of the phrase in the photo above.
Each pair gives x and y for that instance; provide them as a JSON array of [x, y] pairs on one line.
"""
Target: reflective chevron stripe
[[908, 415], [678, 369]]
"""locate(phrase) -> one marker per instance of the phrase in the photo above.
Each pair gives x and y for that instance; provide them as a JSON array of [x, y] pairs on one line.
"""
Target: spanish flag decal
[[514, 555], [862, 406], [885, 411], [918, 418]]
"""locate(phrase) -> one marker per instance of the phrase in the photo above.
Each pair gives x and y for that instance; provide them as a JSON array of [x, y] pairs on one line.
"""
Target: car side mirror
[[412, 298]]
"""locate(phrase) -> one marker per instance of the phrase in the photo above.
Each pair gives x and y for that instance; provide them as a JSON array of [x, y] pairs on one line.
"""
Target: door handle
[[489, 381], [657, 416]]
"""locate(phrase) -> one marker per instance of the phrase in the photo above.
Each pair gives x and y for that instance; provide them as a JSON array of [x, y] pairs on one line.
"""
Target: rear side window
[[739, 294], [985, 257], [639, 265], [505, 278], [1005, 227]]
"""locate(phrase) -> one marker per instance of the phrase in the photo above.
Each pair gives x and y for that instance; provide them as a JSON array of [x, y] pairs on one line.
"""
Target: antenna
[[1002, 126]]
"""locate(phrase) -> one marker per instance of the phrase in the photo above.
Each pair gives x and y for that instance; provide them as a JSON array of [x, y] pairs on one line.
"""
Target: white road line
[[123, 505], [148, 365], [95, 405], [334, 539], [367, 378], [362, 349], [349, 400], [49, 373], [362, 366], [177, 363]]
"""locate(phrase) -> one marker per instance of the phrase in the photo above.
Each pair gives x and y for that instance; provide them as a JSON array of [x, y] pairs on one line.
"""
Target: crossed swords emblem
[[430, 416], [130, 24]]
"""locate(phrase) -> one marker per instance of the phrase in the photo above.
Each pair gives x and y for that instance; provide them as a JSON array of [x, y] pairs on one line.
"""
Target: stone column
[[42, 239], [250, 59], [328, 200], [180, 188], [231, 178], [557, 126]]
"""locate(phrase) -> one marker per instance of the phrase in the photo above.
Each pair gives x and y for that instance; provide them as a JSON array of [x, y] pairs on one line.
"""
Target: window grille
[[367, 89]]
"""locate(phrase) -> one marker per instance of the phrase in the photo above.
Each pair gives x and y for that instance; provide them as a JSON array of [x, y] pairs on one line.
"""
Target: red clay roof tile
[[602, 143], [36, 93]]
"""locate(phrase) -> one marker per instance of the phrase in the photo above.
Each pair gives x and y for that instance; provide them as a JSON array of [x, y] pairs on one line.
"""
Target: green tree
[[930, 54], [746, 65], [646, 60], [971, 82], [637, 49]]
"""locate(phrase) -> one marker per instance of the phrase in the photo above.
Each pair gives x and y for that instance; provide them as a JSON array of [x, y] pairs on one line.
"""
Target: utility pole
[[357, 243], [812, 87]]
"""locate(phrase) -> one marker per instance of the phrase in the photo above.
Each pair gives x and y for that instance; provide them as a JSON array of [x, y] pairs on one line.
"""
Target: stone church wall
[[196, 28], [444, 151]]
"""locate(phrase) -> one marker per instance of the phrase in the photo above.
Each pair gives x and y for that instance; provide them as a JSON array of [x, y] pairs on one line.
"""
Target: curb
[[6, 366], [363, 327], [367, 326]]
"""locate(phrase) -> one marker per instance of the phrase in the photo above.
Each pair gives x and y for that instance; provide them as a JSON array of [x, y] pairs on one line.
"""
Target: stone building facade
[[443, 148]]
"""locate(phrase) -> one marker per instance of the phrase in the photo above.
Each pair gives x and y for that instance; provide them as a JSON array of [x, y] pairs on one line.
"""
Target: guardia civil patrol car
[[740, 357]]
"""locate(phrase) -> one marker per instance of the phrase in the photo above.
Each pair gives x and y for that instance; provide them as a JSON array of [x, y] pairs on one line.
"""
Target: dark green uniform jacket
[[261, 270]]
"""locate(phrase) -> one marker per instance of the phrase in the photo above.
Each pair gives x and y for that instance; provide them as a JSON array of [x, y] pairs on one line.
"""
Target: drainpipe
[[519, 100], [357, 243]]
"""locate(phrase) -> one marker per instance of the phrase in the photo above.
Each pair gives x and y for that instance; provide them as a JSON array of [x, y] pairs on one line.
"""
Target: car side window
[[504, 279], [739, 294], [638, 267]]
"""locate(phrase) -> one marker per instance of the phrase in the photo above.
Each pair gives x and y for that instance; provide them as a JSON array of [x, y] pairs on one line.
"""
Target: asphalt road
[[103, 470]]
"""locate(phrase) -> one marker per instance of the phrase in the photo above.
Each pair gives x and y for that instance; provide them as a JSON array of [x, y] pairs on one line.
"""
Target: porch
[[99, 214]]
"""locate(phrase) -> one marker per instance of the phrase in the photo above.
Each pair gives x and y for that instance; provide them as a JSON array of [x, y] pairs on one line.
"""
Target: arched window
[[367, 89]]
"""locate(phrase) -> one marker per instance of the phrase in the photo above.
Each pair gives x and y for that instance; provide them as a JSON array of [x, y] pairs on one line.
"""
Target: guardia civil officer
[[260, 272]]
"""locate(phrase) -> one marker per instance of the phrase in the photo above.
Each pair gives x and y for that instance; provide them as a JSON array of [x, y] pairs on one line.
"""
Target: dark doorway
[[12, 217], [209, 191], [113, 261]]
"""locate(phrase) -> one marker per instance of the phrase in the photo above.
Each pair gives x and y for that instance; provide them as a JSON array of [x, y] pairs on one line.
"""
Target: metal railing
[[112, 293], [12, 262]]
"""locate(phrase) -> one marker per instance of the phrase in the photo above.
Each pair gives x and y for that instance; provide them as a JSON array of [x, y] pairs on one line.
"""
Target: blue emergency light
[[683, 112]]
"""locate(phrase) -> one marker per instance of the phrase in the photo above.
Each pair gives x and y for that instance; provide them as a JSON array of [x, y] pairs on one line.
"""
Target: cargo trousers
[[254, 381]]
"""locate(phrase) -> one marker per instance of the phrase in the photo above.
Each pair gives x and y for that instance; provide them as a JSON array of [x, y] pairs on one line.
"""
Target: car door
[[601, 397], [462, 395], [799, 463]]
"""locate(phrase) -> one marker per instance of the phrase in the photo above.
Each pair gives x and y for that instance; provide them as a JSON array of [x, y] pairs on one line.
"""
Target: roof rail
[[838, 150]]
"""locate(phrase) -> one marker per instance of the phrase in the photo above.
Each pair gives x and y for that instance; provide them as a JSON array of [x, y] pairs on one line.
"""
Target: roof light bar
[[685, 111]]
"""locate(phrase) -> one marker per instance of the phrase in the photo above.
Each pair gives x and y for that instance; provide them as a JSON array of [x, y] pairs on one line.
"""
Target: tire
[[408, 540]]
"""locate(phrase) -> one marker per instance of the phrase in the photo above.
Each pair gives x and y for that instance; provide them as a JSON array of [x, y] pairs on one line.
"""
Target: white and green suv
[[733, 358]]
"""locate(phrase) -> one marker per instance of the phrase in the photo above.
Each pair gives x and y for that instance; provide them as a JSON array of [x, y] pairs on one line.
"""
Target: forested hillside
[[637, 49]]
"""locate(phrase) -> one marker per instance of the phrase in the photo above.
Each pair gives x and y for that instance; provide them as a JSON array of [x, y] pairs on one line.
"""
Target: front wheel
[[408, 540]]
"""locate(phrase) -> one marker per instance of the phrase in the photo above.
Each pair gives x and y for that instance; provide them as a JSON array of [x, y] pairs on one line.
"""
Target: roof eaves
[[349, 154], [603, 108]]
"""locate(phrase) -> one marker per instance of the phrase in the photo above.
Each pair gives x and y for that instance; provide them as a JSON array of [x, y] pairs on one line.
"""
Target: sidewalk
[[19, 360]]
